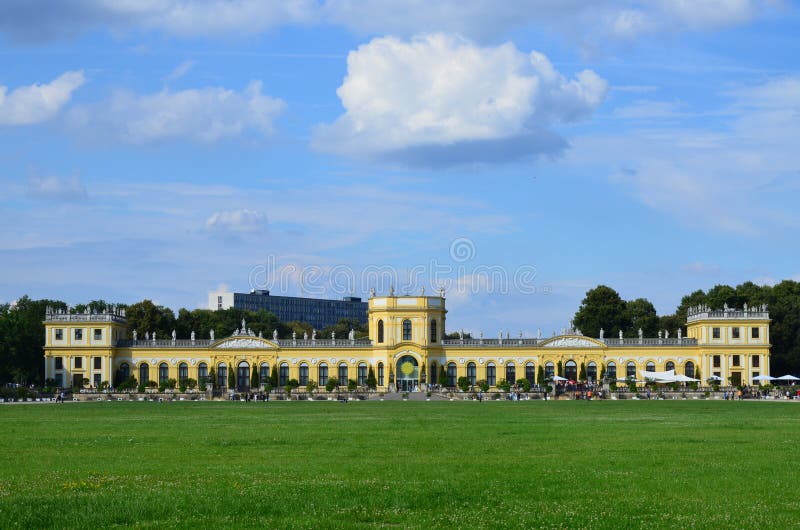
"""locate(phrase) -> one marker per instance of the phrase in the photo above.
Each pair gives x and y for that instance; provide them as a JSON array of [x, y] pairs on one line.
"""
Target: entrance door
[[407, 374], [736, 378], [243, 377]]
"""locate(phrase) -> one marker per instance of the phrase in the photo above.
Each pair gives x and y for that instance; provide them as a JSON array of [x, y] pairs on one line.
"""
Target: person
[[480, 395], [62, 397]]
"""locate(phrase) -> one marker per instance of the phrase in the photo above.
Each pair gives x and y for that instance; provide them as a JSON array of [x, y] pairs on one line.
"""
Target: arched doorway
[[571, 370], [407, 374], [243, 377]]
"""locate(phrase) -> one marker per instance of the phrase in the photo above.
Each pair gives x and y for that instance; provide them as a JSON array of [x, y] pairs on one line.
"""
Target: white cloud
[[57, 188], [36, 103], [439, 98], [180, 71], [241, 221], [202, 115]]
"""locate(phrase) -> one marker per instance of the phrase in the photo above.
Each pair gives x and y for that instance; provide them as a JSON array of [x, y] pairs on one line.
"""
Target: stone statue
[[333, 335], [146, 335], [620, 334], [666, 333], [422, 291], [134, 335], [372, 292], [641, 333], [294, 335], [461, 335], [680, 334], [274, 334], [153, 335], [192, 336], [244, 325], [260, 335], [500, 335], [441, 292], [391, 290], [305, 335], [352, 334], [659, 333], [313, 334], [174, 335], [211, 334], [481, 335], [602, 333]]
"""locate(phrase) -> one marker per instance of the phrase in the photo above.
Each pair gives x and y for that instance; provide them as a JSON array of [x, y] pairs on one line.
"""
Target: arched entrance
[[407, 374], [243, 377]]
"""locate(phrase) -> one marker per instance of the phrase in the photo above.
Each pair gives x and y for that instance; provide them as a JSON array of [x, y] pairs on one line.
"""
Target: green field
[[404, 464]]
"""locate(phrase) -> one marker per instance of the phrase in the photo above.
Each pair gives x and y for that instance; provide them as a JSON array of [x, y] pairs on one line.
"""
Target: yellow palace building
[[406, 350]]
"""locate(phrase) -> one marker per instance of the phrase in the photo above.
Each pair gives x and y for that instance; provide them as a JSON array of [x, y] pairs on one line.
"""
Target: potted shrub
[[463, 383], [332, 383]]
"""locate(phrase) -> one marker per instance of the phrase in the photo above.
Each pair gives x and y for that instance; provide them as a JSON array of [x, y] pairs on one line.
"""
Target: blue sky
[[516, 155]]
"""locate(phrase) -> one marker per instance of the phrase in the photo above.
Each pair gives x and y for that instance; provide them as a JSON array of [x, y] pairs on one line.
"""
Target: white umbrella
[[680, 378], [559, 378], [787, 378], [715, 378], [763, 378]]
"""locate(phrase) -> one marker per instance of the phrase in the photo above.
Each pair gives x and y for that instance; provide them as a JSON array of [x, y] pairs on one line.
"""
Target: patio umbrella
[[715, 378], [763, 378], [787, 378], [559, 378]]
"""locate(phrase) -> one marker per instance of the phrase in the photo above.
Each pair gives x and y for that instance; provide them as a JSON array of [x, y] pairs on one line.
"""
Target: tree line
[[603, 308], [22, 330]]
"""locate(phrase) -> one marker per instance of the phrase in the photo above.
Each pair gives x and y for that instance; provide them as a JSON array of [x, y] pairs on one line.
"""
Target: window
[[688, 369], [283, 375], [754, 333], [736, 360], [202, 373], [669, 366], [60, 334], [96, 379], [183, 372], [433, 331], [591, 371], [322, 372], [163, 373], [451, 374], [650, 367], [380, 331], [263, 373], [611, 371], [406, 329], [735, 333], [60, 380], [222, 376], [717, 361], [630, 370], [78, 362], [715, 333], [219, 302], [530, 373], [491, 374], [124, 372], [78, 334], [98, 363], [59, 363], [756, 374], [144, 373], [756, 361], [343, 374], [362, 374], [380, 374], [571, 370], [303, 374], [434, 374], [549, 371], [511, 373], [471, 373], [98, 334]]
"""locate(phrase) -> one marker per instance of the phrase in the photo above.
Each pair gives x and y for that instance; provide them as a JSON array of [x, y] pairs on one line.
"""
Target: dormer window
[[715, 333], [735, 332]]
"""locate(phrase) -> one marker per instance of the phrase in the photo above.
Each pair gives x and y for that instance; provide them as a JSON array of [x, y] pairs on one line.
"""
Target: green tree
[[231, 377], [255, 380], [582, 372], [372, 383], [602, 308], [443, 379], [640, 314], [540, 375], [273, 377], [332, 383], [463, 383], [146, 317], [560, 369], [524, 384]]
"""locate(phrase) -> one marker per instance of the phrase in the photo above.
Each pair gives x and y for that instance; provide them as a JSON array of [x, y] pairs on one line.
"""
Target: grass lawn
[[405, 464]]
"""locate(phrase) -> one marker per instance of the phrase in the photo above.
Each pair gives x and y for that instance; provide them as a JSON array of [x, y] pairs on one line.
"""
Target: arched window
[[591, 371], [144, 373], [451, 374], [263, 374], [650, 366], [511, 373], [283, 375], [406, 329], [303, 374], [243, 375], [124, 372], [611, 372], [530, 373], [669, 366], [380, 374], [202, 373], [362, 374], [163, 373], [380, 331], [549, 370], [433, 331], [322, 372], [183, 372], [434, 374], [571, 370], [491, 374], [343, 374], [222, 375], [688, 369], [471, 373], [631, 370]]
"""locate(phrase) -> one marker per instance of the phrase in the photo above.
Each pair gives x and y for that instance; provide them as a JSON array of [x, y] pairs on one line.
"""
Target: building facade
[[406, 350], [318, 312]]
